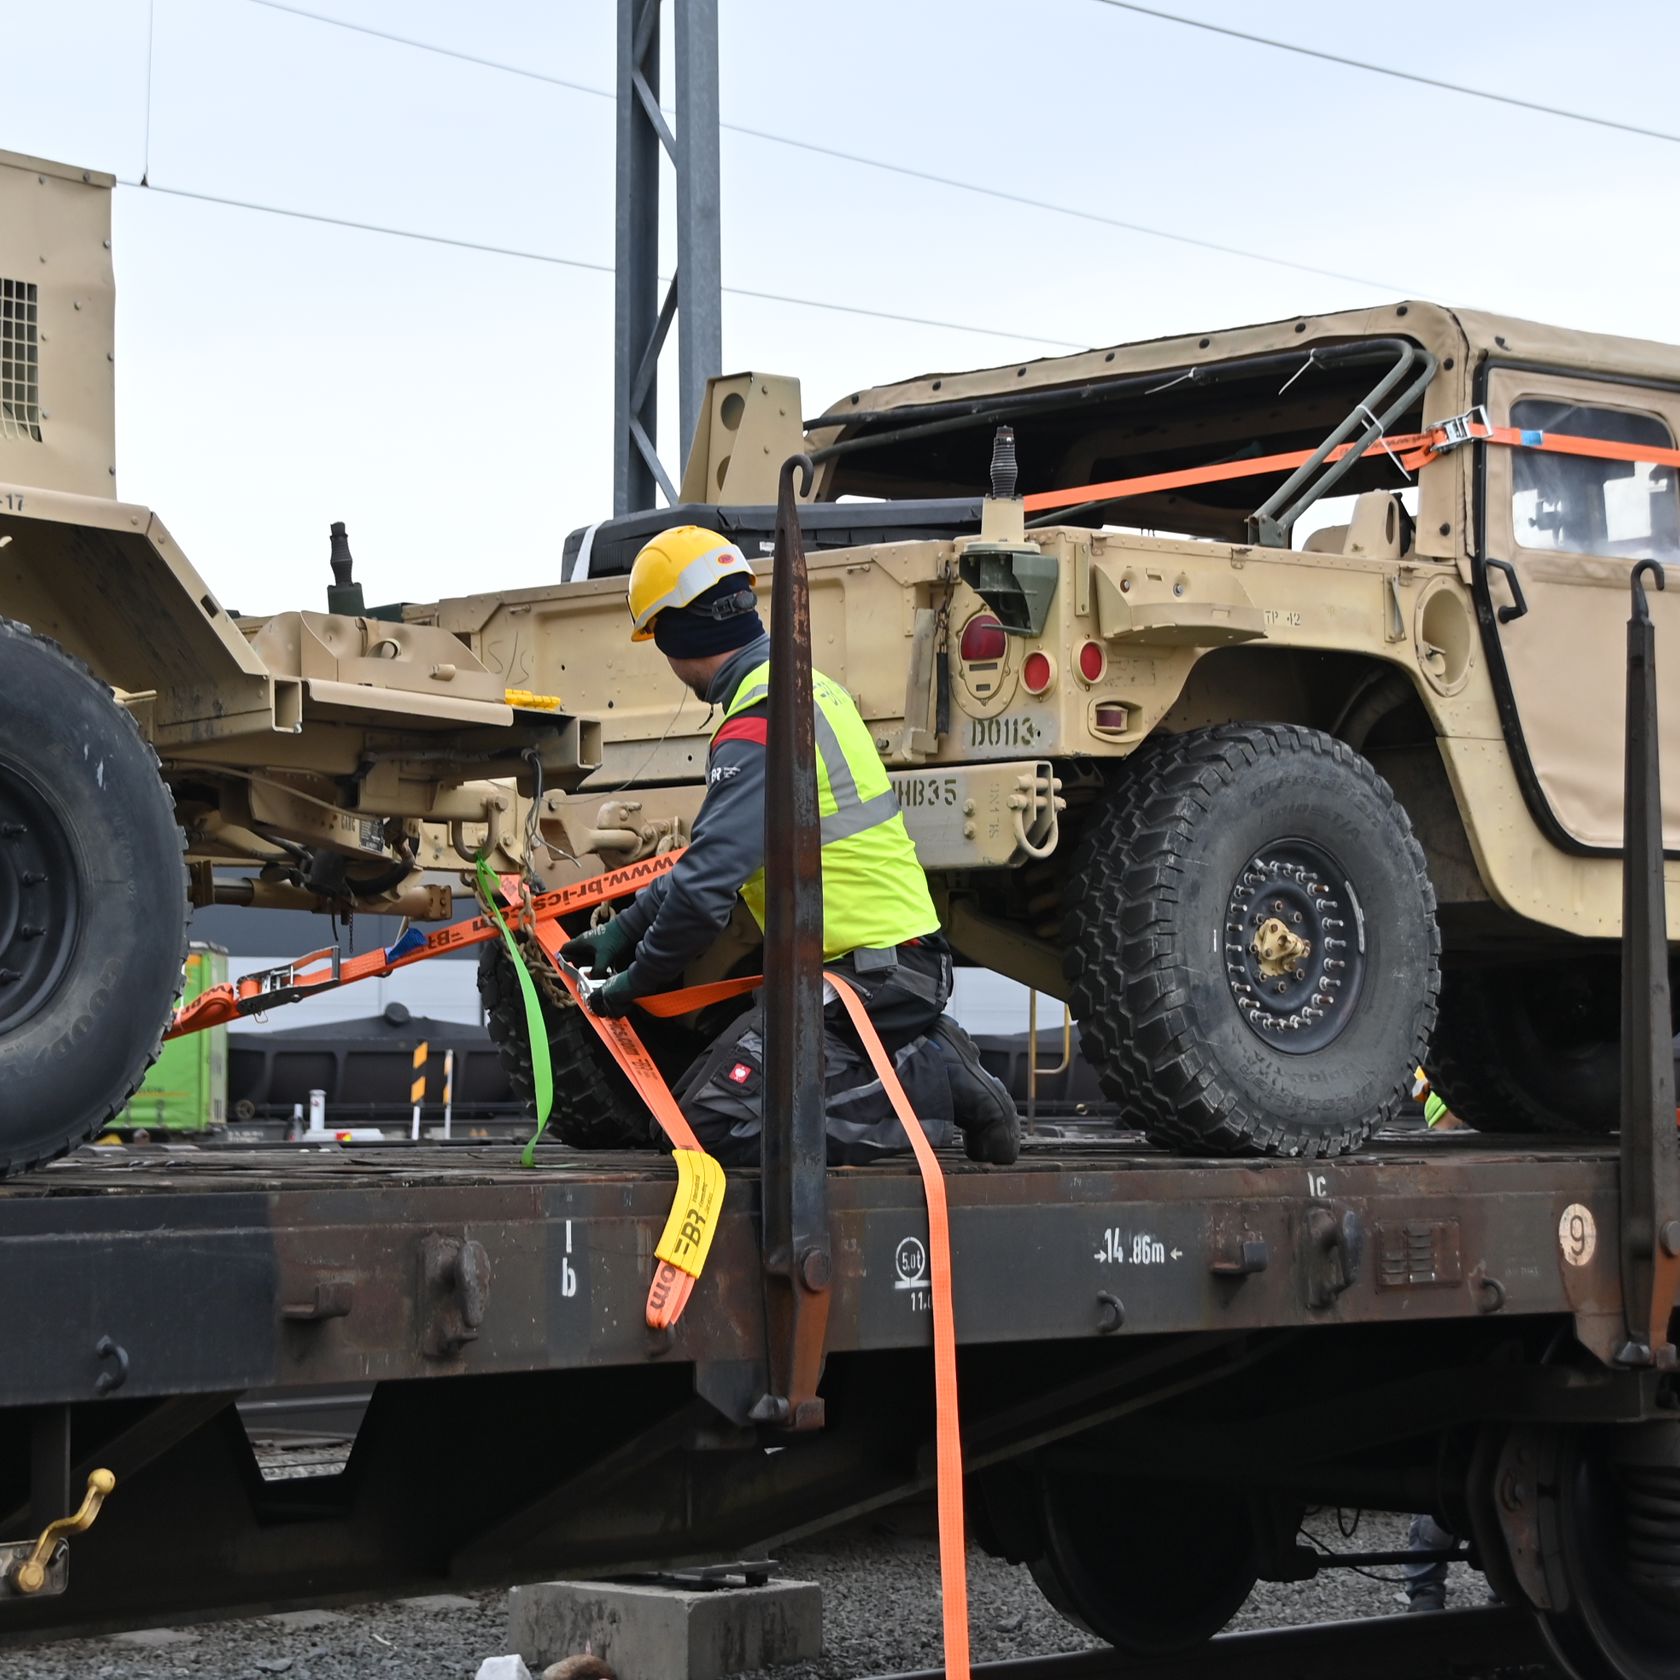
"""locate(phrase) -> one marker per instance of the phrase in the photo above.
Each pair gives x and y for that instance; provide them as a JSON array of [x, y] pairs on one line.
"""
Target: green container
[[186, 1088]]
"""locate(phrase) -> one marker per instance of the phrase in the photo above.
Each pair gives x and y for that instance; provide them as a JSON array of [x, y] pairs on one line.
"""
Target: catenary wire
[[1026, 200], [584, 263], [1380, 70], [151, 61]]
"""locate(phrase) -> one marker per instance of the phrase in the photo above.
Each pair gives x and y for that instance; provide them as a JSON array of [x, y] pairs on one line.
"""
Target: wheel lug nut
[[1296, 918]]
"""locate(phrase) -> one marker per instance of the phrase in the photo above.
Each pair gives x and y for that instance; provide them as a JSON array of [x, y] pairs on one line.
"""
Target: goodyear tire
[[93, 903], [1531, 1048], [1252, 948], [595, 1106]]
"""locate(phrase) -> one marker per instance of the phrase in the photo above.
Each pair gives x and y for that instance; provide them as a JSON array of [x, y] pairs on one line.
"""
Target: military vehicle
[[1257, 691]]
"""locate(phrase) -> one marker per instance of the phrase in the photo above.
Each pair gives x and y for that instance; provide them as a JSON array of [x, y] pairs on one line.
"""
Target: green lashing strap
[[542, 1069]]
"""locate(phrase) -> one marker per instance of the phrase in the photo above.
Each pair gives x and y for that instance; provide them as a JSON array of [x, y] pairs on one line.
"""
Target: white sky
[[455, 408]]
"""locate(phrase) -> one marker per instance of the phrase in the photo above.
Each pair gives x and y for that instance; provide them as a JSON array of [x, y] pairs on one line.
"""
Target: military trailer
[[1244, 689]]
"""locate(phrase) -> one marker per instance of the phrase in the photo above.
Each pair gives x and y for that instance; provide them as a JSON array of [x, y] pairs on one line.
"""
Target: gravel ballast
[[880, 1584]]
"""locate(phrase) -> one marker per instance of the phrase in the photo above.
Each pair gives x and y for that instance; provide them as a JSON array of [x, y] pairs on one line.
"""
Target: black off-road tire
[[1153, 966], [91, 856], [595, 1106], [1534, 1047]]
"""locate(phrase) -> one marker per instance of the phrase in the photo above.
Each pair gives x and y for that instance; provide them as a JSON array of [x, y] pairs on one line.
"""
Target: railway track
[[1447, 1645]]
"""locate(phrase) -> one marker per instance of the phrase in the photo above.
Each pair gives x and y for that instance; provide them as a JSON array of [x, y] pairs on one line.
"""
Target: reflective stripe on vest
[[874, 892]]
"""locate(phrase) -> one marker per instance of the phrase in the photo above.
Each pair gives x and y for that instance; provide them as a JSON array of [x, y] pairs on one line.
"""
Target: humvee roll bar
[[1410, 369]]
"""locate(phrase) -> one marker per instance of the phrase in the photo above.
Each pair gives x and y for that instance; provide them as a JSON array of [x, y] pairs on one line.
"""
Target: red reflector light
[[1093, 661], [1038, 671], [1110, 717], [982, 640]]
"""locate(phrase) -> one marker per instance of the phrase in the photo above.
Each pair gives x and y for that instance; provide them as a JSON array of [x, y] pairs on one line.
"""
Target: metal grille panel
[[20, 361]]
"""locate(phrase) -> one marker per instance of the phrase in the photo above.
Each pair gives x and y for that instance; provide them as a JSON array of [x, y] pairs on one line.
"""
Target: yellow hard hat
[[677, 567]]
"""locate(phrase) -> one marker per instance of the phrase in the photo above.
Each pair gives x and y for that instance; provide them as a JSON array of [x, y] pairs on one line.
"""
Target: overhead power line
[[442, 52], [585, 263], [1380, 70], [1068, 210], [863, 161]]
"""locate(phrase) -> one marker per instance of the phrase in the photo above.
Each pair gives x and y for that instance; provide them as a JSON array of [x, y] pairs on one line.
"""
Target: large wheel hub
[[1294, 946], [38, 900]]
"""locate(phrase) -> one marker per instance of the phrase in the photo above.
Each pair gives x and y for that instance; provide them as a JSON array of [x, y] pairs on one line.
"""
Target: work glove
[[616, 996], [601, 950]]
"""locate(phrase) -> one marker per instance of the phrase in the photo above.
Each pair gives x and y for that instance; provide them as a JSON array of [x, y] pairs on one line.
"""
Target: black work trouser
[[904, 991]]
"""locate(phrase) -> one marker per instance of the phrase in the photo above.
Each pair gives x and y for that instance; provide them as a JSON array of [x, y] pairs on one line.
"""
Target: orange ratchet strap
[[953, 1539], [688, 1234], [322, 971], [687, 1239], [1410, 450], [953, 1556]]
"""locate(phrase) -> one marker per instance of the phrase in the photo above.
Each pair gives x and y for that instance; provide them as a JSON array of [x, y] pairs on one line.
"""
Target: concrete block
[[502, 1668], [153, 1638], [650, 1632], [439, 1603]]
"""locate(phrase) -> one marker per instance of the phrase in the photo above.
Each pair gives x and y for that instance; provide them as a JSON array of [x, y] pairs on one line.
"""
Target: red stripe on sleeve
[[746, 728]]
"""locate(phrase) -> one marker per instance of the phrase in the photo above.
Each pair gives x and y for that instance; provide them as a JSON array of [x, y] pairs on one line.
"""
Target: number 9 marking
[[1577, 1234]]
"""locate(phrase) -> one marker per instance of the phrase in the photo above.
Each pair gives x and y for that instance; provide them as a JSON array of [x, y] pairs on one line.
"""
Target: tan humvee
[[1243, 762], [1459, 628]]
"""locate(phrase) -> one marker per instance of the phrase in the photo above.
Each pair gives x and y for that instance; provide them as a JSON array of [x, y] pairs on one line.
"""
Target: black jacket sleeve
[[679, 915]]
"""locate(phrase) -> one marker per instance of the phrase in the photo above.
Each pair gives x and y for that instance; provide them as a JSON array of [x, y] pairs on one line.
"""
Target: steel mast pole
[[642, 317]]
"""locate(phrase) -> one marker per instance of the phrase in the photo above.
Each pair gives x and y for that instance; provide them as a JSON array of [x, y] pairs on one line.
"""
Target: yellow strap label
[[687, 1238]]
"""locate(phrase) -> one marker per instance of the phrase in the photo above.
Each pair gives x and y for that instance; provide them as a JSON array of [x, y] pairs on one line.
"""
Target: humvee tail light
[[1109, 717], [1038, 672], [1093, 662], [983, 639]]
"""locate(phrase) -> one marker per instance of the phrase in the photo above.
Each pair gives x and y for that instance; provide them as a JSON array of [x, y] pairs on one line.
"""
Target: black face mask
[[721, 620]]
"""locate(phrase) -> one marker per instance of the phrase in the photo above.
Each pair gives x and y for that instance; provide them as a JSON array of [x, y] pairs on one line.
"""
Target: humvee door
[[1560, 535]]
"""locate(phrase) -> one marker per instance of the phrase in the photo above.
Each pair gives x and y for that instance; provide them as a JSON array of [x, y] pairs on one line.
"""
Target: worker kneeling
[[691, 594]]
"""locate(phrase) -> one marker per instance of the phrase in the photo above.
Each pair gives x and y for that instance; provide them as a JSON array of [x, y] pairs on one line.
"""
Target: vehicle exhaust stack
[[343, 596], [1011, 574]]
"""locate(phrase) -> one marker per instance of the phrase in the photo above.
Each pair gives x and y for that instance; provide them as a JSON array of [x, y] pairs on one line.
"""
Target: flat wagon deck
[[233, 1269], [1161, 1334], [1162, 1362]]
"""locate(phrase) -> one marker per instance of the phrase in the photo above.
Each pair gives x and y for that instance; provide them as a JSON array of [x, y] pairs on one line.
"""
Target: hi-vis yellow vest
[[874, 892]]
